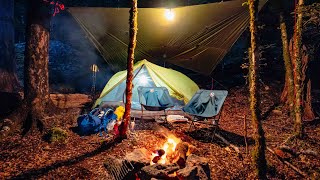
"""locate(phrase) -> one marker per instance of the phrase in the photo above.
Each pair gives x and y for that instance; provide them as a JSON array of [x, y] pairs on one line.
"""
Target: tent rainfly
[[146, 74], [193, 37]]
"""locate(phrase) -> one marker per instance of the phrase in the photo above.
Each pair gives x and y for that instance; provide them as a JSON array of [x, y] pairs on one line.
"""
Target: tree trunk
[[130, 60], [288, 92], [8, 79], [298, 127], [308, 113], [258, 154], [36, 82]]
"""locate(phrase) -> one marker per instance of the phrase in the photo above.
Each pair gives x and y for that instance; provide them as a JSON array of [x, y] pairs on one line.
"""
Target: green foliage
[[57, 135]]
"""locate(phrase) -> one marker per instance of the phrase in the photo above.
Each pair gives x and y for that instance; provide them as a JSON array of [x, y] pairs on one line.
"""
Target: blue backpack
[[92, 123]]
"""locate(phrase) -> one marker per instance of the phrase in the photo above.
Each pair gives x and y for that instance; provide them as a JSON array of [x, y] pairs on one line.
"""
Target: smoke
[[77, 72]]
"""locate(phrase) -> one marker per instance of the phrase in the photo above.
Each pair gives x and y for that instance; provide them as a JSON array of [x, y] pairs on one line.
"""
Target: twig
[[227, 143], [288, 139], [289, 164]]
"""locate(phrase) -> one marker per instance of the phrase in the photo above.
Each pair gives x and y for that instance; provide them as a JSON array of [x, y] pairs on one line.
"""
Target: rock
[[158, 171], [203, 170], [139, 158], [187, 173]]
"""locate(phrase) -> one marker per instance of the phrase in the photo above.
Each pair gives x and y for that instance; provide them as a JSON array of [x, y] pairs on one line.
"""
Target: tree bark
[[308, 113], [258, 153], [288, 92], [36, 82], [133, 22], [298, 127], [8, 79]]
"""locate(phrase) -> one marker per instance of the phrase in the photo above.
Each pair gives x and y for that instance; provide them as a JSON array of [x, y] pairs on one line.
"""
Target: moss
[[57, 135], [298, 71], [287, 63]]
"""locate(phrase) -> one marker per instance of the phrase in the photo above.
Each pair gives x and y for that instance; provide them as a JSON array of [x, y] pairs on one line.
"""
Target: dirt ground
[[31, 157]]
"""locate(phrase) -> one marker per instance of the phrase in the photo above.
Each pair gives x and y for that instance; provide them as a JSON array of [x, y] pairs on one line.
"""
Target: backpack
[[94, 122]]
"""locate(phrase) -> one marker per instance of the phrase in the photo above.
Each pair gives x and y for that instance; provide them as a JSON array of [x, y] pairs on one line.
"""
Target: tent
[[146, 74], [194, 37]]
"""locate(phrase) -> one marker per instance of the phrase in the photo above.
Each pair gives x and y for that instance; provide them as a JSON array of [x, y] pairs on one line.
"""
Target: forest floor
[[31, 157]]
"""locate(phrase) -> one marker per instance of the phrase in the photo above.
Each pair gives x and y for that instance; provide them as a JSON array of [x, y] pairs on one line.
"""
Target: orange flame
[[169, 148]]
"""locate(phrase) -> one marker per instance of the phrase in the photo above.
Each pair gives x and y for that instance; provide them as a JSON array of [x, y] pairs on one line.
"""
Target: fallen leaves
[[82, 157]]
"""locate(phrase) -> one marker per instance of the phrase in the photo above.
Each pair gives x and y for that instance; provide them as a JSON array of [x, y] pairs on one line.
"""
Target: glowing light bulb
[[169, 14]]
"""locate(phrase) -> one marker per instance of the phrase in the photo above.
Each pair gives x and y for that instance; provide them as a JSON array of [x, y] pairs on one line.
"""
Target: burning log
[[156, 159], [191, 149], [181, 154], [158, 155], [161, 152]]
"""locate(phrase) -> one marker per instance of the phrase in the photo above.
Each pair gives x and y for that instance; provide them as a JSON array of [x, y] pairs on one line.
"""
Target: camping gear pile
[[99, 120]]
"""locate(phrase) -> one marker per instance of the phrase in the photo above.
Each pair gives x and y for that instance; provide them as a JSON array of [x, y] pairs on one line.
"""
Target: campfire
[[172, 160], [167, 154]]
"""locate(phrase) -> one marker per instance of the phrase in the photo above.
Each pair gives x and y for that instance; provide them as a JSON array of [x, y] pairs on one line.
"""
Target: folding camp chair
[[206, 104], [154, 99]]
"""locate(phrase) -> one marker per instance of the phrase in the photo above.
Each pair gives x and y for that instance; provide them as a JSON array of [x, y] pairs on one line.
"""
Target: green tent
[[194, 37], [146, 74]]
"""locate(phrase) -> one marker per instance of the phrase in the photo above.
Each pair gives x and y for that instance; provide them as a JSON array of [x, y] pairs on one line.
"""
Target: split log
[[289, 164], [181, 154], [70, 100]]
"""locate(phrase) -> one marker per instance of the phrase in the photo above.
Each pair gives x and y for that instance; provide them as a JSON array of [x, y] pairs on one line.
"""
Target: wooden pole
[[133, 22], [245, 132]]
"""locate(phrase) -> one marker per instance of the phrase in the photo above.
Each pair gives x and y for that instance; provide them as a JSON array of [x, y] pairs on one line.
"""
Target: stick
[[227, 143], [288, 139], [245, 132], [289, 164]]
